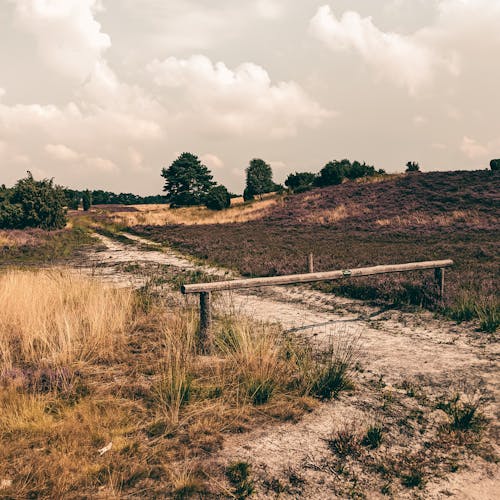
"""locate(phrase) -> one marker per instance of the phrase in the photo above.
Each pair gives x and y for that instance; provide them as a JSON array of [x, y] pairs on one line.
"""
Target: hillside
[[400, 219]]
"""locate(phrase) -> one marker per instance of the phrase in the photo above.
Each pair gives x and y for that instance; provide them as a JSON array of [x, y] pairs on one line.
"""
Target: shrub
[[463, 415], [495, 165], [331, 174], [332, 372], [345, 442], [373, 437], [218, 198], [412, 166], [300, 181], [238, 475], [33, 204], [86, 200]]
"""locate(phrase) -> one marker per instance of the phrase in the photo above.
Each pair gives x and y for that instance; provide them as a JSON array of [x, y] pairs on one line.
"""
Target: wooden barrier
[[204, 289]]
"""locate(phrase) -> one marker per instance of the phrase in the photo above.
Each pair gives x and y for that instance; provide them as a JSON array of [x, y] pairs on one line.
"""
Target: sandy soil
[[396, 350]]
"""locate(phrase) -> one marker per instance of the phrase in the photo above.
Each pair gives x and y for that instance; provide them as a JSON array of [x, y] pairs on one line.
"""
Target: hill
[[397, 219]]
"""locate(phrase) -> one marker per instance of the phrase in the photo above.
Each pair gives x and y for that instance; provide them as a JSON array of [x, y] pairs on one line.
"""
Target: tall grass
[[174, 388], [256, 352], [55, 318]]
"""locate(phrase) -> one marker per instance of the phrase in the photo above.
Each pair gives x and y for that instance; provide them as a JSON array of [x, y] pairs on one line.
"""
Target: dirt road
[[407, 362]]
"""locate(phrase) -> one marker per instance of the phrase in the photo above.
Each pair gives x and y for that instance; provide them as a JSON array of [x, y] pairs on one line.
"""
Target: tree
[[33, 203], [86, 200], [495, 164], [218, 198], [300, 181], [187, 181], [412, 166], [259, 179], [331, 174]]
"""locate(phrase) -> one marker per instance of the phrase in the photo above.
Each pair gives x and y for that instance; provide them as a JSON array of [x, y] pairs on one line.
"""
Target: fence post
[[205, 337], [311, 263], [439, 277]]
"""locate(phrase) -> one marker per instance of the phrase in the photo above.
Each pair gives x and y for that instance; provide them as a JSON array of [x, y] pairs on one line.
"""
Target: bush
[[300, 181], [218, 198], [412, 166], [331, 174], [86, 200], [33, 204], [495, 165]]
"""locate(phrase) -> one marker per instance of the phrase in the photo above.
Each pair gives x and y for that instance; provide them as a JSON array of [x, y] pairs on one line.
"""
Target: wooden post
[[439, 277], [311, 263], [205, 336]]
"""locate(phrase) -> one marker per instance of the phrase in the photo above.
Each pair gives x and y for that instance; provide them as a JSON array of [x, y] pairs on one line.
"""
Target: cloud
[[69, 39], [473, 149], [270, 9], [236, 101], [402, 59], [101, 164], [413, 60], [213, 162], [61, 152]]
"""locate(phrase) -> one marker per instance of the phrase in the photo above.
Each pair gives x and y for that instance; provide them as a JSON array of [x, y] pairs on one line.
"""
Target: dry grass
[[93, 404], [51, 317], [333, 215], [161, 215], [468, 217]]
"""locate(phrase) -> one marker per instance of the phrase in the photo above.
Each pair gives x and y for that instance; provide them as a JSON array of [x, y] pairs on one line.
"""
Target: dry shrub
[[55, 318]]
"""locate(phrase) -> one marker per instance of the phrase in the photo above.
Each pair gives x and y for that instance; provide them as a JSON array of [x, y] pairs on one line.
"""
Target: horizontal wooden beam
[[312, 277]]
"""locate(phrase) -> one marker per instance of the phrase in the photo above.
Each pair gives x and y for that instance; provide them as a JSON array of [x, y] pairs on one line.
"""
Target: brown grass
[[163, 215], [101, 398], [59, 319]]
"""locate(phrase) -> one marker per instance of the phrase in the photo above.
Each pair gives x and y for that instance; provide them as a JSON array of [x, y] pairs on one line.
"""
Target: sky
[[104, 93]]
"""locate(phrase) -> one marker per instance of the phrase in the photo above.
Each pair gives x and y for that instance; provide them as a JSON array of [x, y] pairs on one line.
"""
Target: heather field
[[399, 219]]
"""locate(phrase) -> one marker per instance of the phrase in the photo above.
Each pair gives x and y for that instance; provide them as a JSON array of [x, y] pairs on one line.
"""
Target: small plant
[[238, 475], [373, 437], [412, 166], [261, 391], [334, 367], [345, 442], [414, 478], [464, 415]]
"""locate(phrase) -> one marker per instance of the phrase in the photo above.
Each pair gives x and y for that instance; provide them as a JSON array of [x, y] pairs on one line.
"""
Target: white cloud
[[402, 59], [419, 120], [413, 60], [69, 39], [213, 162], [101, 164], [237, 101], [473, 149], [270, 9], [61, 152]]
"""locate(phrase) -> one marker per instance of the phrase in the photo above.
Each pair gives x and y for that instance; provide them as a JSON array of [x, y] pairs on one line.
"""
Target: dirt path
[[408, 360]]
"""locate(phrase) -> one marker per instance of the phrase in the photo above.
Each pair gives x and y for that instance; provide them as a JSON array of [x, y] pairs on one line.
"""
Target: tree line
[[189, 182], [43, 204], [76, 198]]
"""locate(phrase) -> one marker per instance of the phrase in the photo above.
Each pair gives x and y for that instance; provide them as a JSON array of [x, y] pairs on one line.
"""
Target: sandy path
[[395, 346]]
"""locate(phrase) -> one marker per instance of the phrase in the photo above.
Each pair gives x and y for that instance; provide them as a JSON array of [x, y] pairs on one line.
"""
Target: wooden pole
[[311, 277], [311, 263], [439, 277], [205, 338]]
